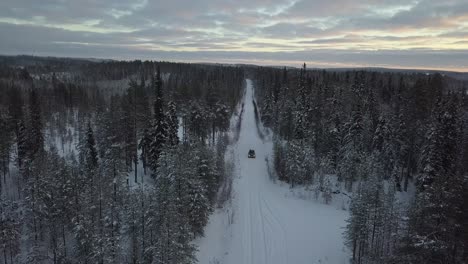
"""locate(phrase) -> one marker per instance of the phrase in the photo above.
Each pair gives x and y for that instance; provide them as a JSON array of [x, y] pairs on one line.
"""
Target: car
[[251, 154]]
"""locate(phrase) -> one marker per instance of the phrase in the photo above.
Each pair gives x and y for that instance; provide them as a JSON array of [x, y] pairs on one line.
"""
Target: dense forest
[[377, 137], [124, 161], [110, 162]]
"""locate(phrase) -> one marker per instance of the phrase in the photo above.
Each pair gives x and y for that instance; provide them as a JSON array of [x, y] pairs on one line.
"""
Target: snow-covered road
[[264, 225]]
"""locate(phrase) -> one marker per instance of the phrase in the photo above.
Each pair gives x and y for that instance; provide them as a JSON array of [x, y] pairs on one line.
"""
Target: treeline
[[74, 163], [378, 133]]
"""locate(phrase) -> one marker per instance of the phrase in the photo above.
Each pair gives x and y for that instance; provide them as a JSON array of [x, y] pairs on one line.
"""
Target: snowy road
[[267, 226]]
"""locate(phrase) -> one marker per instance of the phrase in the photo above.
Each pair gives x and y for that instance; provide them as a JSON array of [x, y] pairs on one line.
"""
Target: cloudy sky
[[430, 34]]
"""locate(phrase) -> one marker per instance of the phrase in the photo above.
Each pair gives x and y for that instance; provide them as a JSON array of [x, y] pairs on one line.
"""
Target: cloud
[[415, 33]]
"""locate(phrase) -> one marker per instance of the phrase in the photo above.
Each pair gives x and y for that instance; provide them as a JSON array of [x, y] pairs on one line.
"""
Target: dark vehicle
[[251, 154]]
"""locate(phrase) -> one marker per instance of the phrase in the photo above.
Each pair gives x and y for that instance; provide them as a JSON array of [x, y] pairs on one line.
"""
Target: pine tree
[[173, 124], [302, 107], [198, 123], [351, 157], [144, 146], [356, 231], [159, 131], [129, 121], [15, 107], [373, 222], [36, 137], [172, 244], [53, 195], [91, 155], [267, 111], [435, 218], [299, 163], [211, 101], [6, 139], [382, 148], [36, 195], [87, 226], [332, 131], [279, 160], [401, 149], [10, 230], [222, 116], [207, 173], [135, 229], [22, 144], [143, 114]]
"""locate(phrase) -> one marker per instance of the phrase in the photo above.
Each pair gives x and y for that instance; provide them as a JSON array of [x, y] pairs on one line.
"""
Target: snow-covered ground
[[262, 223]]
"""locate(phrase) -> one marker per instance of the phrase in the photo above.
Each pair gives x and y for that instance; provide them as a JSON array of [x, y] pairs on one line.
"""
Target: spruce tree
[[22, 144], [159, 131], [172, 243], [173, 124], [144, 146], [351, 157], [6, 139], [435, 221], [91, 155], [36, 137], [11, 230]]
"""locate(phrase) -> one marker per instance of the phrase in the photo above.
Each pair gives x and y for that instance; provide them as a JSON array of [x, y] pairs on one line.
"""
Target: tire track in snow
[[272, 246], [283, 230], [250, 230], [265, 221], [262, 222], [245, 229]]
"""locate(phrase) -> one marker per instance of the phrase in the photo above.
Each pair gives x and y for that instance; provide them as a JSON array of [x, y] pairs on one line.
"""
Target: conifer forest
[[109, 161]]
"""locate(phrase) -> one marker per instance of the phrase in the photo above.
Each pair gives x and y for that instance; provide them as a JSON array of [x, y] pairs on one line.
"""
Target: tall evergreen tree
[[10, 234], [6, 140], [351, 157], [159, 130], [173, 124], [91, 155], [436, 217], [36, 141], [22, 144], [172, 244]]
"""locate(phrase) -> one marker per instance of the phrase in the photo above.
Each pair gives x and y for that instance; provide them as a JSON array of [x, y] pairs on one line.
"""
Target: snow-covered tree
[[36, 136], [327, 191], [352, 156], [6, 140], [436, 217], [173, 124], [22, 144], [10, 230], [160, 128], [172, 242]]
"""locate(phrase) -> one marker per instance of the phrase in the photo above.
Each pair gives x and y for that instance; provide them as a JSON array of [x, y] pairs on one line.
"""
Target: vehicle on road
[[251, 154]]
